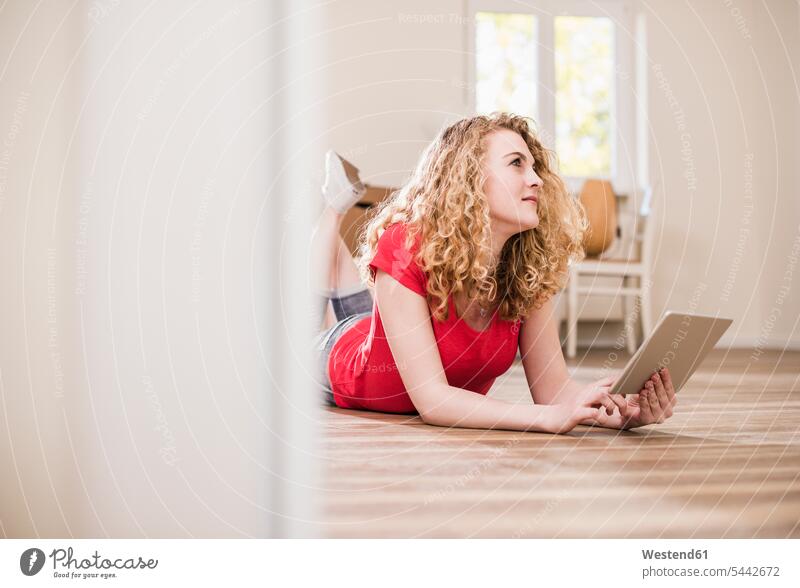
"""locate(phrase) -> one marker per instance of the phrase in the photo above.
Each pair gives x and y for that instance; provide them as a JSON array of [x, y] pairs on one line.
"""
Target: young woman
[[463, 263]]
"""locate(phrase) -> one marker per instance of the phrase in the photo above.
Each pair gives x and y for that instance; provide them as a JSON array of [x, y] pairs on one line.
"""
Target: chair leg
[[572, 315], [629, 316], [646, 311]]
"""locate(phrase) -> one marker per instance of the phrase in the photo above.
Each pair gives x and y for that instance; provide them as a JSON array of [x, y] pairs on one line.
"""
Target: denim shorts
[[348, 310]]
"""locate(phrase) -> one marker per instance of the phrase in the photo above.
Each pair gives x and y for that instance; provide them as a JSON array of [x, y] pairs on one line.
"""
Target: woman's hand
[[653, 403], [588, 402]]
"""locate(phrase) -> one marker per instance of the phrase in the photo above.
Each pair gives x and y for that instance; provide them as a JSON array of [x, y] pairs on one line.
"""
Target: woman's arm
[[542, 357], [546, 370], [549, 381], [407, 322]]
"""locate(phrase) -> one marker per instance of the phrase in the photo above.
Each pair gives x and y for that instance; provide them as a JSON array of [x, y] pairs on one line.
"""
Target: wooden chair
[[635, 273]]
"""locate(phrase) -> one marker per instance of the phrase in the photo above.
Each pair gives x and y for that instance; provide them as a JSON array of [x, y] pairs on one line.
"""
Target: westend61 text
[[691, 554]]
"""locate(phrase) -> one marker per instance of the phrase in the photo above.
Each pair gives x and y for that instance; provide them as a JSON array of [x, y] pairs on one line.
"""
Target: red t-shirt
[[361, 369]]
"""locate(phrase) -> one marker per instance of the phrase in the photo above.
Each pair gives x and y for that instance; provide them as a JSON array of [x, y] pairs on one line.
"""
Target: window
[[505, 63], [562, 64], [584, 62]]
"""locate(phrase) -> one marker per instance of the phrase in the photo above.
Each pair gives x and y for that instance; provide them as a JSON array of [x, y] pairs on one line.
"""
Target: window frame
[[623, 103]]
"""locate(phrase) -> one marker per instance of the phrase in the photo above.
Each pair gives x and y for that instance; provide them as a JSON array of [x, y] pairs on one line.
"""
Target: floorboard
[[726, 465]]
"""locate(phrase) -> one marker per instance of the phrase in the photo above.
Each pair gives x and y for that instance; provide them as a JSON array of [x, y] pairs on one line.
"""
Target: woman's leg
[[335, 275], [324, 250], [344, 273], [336, 272]]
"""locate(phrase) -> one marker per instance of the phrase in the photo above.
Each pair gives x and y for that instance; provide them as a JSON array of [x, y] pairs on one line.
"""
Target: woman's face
[[512, 186]]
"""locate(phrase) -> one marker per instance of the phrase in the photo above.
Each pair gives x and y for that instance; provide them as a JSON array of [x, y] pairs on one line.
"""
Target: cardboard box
[[355, 219]]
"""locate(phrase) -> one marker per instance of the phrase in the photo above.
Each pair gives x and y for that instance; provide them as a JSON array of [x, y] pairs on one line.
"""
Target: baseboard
[[747, 342], [607, 336]]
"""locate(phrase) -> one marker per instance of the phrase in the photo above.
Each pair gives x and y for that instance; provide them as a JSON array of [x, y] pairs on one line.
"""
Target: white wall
[[154, 311], [733, 72], [396, 70], [39, 352], [395, 78]]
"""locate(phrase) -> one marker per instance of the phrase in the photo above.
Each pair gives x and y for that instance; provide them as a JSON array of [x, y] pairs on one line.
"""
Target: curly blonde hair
[[443, 201]]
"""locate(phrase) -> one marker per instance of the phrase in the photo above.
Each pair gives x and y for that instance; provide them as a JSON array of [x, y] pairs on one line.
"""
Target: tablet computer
[[679, 342]]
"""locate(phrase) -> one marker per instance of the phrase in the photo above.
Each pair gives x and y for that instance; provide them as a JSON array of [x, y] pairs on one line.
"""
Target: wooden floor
[[726, 465]]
